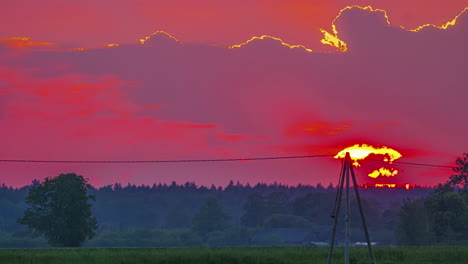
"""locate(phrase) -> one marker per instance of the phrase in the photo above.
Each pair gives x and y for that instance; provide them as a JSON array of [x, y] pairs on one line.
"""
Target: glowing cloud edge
[[332, 39], [270, 37], [450, 23], [329, 38]]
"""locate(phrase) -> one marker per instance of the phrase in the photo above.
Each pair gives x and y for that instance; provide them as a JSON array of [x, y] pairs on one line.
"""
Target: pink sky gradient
[[195, 100]]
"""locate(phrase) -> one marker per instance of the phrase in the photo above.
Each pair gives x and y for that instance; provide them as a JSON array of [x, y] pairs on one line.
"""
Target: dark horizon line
[[224, 187]]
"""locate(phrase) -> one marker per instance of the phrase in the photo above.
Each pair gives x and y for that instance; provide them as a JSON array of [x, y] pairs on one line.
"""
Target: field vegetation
[[241, 255]]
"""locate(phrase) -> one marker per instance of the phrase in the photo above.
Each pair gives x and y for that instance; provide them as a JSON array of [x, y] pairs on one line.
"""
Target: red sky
[[165, 100], [89, 23]]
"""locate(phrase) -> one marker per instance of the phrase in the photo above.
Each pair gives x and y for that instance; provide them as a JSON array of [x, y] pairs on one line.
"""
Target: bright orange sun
[[362, 151]]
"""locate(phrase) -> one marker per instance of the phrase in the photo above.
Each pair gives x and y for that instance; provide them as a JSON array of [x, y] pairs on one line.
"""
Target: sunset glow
[[383, 172], [23, 43], [205, 124], [148, 80], [406, 186], [362, 151]]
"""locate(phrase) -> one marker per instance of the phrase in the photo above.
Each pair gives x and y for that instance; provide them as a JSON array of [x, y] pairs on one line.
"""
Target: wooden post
[[347, 171]]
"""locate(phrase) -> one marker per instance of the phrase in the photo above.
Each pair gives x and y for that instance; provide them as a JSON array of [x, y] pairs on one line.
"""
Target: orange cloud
[[24, 44]]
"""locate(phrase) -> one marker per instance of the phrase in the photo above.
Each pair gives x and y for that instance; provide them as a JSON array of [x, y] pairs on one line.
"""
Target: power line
[[206, 160], [425, 165], [418, 164], [166, 161]]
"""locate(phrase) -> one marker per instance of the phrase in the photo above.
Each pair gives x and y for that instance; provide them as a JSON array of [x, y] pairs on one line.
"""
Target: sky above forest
[[216, 79]]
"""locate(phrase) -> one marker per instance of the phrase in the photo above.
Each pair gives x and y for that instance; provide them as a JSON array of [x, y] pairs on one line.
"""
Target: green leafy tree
[[209, 218], [60, 210]]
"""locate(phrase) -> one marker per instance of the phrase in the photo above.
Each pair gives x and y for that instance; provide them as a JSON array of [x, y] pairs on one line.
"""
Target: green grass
[[251, 255]]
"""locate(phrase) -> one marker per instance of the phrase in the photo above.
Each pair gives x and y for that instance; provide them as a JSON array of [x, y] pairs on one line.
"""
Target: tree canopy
[[460, 178], [210, 217], [442, 217], [60, 209]]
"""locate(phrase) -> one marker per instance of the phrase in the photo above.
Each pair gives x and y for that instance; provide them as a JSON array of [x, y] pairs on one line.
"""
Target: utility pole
[[347, 171], [347, 218]]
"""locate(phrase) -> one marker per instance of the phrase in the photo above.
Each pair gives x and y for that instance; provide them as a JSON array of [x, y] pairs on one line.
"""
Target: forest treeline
[[67, 211], [164, 215], [442, 217]]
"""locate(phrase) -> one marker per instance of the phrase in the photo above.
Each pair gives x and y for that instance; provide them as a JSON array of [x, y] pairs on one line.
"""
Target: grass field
[[258, 255]]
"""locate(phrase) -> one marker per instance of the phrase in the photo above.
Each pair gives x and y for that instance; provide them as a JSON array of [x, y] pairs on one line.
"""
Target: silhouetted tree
[[448, 205], [178, 218], [286, 221], [60, 209], [448, 212], [277, 203], [413, 224], [315, 206], [460, 178], [255, 211], [372, 210]]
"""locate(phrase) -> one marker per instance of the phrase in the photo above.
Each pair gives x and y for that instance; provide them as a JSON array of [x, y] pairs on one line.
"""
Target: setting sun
[[362, 151]]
